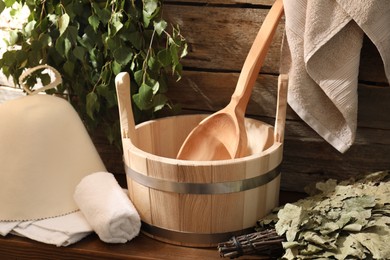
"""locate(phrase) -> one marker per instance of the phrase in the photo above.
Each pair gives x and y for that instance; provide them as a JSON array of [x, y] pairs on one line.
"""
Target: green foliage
[[89, 42]]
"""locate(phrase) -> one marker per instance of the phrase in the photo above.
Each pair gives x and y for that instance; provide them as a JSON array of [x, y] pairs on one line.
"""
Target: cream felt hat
[[45, 151]]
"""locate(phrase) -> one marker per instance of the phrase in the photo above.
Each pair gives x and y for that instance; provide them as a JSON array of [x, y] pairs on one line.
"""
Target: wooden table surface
[[141, 247]]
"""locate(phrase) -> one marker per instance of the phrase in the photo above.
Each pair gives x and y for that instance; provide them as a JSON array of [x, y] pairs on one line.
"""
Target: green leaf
[[163, 83], [160, 26], [45, 39], [93, 20], [150, 10], [174, 50], [138, 75], [63, 23], [34, 57], [136, 39], [108, 95], [164, 57], [67, 47], [113, 43], [45, 78], [36, 46], [89, 38], [72, 34], [156, 87], [59, 46], [103, 14], [2, 6], [153, 64], [150, 6], [184, 52], [9, 3], [143, 99], [92, 104], [178, 68], [159, 102], [28, 28], [13, 38], [116, 68], [69, 68], [79, 52], [123, 55], [116, 24]]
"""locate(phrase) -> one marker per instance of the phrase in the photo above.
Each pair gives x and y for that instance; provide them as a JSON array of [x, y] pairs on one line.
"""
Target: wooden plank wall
[[220, 33]]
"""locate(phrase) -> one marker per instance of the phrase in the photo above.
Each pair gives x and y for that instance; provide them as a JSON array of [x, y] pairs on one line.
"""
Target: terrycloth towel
[[324, 38], [60, 231], [107, 208]]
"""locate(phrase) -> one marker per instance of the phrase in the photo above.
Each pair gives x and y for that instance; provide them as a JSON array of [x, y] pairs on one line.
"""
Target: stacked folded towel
[[60, 231]]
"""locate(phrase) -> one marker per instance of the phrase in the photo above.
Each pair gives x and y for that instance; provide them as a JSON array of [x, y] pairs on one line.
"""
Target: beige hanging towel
[[324, 38]]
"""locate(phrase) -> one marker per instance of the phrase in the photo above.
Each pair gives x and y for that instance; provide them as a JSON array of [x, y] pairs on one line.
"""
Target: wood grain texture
[[219, 38], [205, 213], [220, 33], [211, 91], [226, 2], [91, 248]]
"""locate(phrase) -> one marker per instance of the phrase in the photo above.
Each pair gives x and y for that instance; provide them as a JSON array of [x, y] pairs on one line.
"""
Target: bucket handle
[[127, 124], [281, 107]]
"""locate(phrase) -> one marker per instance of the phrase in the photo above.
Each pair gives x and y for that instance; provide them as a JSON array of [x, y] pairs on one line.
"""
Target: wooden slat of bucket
[[272, 197], [192, 203], [140, 193], [174, 134], [228, 208], [164, 205], [254, 206], [145, 142], [255, 199], [259, 201]]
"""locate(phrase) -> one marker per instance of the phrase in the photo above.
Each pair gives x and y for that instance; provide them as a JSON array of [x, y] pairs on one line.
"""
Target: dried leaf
[[348, 247], [289, 221], [345, 221], [376, 241], [327, 187]]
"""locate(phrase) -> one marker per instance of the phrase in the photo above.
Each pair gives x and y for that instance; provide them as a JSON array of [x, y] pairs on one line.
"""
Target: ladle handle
[[256, 55], [127, 124]]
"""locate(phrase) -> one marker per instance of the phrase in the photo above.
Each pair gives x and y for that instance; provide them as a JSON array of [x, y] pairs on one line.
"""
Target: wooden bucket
[[196, 203]]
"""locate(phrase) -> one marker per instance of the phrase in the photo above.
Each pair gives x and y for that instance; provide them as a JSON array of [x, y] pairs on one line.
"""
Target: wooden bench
[[141, 247]]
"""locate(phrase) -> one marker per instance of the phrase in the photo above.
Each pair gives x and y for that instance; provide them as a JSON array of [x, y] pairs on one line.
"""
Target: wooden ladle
[[222, 135]]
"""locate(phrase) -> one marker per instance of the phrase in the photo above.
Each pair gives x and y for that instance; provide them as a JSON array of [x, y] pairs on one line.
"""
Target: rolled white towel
[[107, 208]]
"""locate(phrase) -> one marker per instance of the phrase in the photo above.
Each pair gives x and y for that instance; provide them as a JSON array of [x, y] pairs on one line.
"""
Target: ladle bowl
[[222, 135]]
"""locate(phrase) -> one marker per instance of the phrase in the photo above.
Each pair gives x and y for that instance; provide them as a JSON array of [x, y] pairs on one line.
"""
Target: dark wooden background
[[220, 33]]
